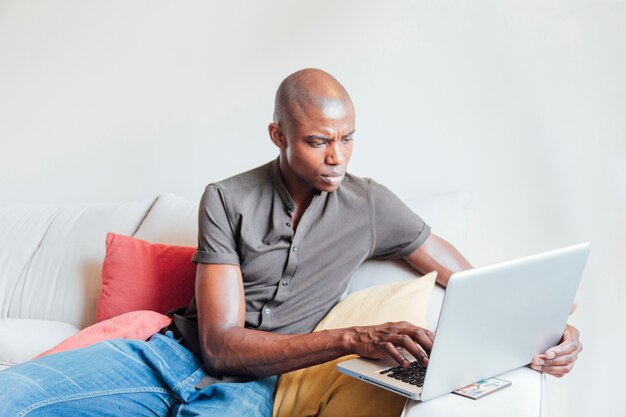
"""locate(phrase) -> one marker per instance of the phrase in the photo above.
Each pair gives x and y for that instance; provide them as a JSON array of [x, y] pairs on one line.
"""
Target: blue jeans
[[127, 378]]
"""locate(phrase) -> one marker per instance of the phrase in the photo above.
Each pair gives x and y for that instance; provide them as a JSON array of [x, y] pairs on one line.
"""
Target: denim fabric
[[127, 378]]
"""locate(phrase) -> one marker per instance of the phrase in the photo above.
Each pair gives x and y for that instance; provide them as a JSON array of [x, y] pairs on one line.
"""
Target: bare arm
[[436, 254], [229, 348]]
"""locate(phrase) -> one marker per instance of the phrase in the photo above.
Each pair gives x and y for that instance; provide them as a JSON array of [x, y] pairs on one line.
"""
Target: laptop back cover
[[496, 318]]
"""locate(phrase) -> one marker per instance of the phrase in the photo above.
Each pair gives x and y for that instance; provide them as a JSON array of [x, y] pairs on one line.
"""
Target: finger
[[558, 361], [570, 333], [564, 348], [425, 339], [416, 340], [551, 370], [406, 342], [557, 371], [574, 307], [393, 352], [550, 358]]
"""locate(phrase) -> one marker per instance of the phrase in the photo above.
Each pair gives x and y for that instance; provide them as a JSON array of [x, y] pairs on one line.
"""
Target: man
[[276, 248]]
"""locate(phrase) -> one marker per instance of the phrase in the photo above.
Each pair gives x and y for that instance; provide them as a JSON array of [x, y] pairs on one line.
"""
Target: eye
[[346, 140], [317, 143]]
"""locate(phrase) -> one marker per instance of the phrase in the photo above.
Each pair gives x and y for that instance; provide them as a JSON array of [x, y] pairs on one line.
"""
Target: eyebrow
[[327, 139]]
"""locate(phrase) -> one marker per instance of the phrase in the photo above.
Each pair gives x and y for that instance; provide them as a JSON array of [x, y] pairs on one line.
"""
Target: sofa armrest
[[523, 398]]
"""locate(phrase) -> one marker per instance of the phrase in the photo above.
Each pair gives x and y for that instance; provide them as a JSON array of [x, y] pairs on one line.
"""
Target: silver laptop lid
[[496, 318]]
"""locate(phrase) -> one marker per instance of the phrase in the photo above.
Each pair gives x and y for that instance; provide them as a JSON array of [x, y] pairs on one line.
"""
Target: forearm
[[240, 351], [228, 348]]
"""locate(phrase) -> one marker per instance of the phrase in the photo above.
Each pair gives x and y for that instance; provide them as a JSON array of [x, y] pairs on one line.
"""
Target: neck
[[300, 193]]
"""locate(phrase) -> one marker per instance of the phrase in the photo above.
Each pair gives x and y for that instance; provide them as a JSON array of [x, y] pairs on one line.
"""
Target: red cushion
[[139, 275], [138, 325]]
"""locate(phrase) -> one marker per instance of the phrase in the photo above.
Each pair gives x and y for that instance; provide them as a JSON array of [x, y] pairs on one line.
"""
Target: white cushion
[[22, 339], [51, 257], [171, 220]]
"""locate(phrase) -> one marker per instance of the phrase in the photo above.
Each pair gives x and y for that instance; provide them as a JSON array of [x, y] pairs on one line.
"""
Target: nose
[[334, 154]]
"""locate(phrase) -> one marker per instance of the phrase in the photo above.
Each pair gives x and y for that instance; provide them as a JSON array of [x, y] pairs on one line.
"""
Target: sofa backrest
[[51, 257], [172, 220]]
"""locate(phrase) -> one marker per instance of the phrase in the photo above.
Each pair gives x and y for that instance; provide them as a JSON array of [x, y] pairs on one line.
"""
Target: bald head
[[313, 128], [310, 89]]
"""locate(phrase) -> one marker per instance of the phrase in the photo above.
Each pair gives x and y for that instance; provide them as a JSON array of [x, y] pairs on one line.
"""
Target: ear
[[276, 135]]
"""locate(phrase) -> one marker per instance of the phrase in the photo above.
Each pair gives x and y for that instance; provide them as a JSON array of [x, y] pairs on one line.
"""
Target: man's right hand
[[375, 342]]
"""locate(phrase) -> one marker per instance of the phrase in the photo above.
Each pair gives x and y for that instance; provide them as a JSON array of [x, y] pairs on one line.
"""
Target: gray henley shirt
[[292, 279]]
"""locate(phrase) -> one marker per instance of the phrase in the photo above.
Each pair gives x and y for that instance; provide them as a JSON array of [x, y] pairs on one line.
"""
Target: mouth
[[333, 178]]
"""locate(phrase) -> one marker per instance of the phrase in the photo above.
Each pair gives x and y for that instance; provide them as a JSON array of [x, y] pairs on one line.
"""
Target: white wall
[[521, 103]]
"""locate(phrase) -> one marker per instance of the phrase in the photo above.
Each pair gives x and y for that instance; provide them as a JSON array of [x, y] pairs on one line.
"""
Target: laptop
[[493, 319]]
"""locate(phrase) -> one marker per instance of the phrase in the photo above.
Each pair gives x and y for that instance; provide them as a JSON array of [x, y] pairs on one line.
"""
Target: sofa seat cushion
[[22, 339]]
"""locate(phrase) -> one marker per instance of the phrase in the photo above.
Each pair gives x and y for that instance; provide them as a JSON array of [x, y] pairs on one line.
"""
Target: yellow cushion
[[321, 390]]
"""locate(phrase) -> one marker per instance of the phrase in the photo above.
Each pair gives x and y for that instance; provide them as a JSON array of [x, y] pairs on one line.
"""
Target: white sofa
[[51, 258]]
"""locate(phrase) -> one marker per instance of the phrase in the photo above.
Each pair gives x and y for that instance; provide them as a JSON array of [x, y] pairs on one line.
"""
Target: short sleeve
[[398, 231], [216, 239]]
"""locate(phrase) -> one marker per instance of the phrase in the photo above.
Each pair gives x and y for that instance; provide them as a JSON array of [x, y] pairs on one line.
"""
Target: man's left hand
[[559, 360]]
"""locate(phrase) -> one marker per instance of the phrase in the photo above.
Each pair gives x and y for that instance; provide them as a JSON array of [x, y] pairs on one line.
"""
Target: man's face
[[319, 146]]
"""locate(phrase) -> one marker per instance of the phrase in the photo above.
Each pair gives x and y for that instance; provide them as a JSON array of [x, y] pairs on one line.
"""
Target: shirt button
[[295, 249], [290, 207], [285, 283], [268, 311], [288, 224]]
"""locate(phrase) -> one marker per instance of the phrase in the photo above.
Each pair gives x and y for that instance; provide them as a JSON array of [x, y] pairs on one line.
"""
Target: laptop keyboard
[[414, 374]]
